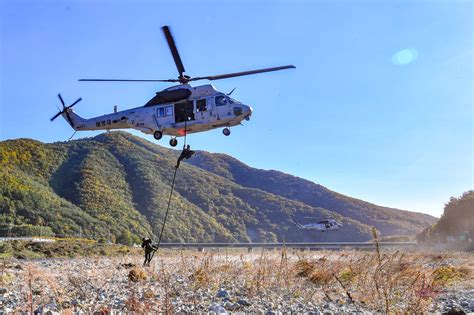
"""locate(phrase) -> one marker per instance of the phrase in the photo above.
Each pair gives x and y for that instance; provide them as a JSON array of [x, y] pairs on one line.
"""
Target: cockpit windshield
[[232, 101], [221, 100]]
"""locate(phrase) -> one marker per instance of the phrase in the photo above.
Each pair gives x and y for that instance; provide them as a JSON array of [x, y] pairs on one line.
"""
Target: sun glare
[[405, 56]]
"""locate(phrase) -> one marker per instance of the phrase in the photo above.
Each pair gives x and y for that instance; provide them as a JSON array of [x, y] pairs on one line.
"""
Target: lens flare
[[404, 57]]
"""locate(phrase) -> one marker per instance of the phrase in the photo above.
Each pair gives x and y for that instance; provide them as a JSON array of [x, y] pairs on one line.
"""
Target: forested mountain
[[456, 223], [388, 221], [115, 186]]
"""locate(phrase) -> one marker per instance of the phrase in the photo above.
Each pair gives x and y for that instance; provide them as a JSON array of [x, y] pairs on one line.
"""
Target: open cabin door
[[183, 111]]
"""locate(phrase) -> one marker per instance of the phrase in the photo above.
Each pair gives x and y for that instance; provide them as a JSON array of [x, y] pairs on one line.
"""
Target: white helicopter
[[322, 225], [175, 111]]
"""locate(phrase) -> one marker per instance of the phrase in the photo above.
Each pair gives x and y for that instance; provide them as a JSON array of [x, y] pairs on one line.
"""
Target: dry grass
[[379, 281], [137, 274]]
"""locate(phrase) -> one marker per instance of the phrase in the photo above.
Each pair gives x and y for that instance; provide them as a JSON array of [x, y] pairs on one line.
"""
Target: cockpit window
[[232, 101], [221, 100]]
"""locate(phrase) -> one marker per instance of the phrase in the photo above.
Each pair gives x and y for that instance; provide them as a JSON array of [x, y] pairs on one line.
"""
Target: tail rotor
[[65, 109]]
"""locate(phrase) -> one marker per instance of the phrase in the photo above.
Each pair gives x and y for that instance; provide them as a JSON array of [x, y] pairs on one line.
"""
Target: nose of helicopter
[[248, 111]]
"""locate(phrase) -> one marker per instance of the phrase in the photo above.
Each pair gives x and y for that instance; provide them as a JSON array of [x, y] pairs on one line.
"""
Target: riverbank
[[230, 281]]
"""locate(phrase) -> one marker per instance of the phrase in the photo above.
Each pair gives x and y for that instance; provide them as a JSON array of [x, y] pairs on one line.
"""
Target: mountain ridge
[[298, 190], [116, 183]]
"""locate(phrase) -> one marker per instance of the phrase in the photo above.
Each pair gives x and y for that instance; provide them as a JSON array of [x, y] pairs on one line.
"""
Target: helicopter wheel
[[157, 135], [226, 132], [173, 142]]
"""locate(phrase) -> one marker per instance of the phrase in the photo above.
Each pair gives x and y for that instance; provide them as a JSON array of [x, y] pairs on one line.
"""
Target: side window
[[161, 111], [221, 100], [169, 110], [201, 105], [97, 124]]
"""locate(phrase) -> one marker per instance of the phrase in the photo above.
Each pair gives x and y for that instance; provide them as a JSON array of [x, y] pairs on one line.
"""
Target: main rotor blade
[[174, 50], [121, 80], [78, 100], [238, 74], [61, 99], [56, 116]]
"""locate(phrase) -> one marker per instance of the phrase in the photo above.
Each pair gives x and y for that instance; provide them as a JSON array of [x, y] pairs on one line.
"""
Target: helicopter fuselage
[[175, 111], [324, 225]]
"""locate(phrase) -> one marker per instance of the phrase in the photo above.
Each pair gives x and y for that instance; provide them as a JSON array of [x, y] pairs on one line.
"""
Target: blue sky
[[380, 106]]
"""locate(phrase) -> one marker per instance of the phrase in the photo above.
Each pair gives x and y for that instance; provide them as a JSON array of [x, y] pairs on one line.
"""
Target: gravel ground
[[220, 282]]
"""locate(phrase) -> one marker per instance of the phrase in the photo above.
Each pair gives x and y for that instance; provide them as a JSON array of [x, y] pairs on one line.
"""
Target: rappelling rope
[[185, 132], [169, 199], [167, 211]]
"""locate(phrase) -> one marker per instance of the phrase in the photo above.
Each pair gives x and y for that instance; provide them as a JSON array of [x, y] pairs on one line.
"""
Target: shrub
[[346, 275], [125, 238], [321, 276], [137, 274], [304, 268], [445, 275]]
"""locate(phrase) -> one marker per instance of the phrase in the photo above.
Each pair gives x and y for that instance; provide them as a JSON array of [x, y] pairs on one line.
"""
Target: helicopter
[[321, 225], [175, 111]]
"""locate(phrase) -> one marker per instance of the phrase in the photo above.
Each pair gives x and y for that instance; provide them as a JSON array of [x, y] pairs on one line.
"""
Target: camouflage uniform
[[186, 154], [149, 249]]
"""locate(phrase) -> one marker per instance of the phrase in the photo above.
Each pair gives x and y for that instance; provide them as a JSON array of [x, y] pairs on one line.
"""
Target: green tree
[[125, 238]]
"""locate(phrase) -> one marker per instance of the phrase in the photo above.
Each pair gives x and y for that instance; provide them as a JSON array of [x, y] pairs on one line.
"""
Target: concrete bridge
[[302, 246], [251, 246]]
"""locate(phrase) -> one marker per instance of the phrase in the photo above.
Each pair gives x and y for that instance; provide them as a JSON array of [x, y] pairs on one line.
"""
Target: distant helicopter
[[321, 225], [175, 111]]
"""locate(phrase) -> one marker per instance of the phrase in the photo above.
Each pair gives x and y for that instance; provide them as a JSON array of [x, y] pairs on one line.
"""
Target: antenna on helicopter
[[183, 78]]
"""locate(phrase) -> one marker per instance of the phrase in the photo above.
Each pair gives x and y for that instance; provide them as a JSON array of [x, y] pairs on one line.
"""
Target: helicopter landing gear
[[173, 142], [157, 135], [226, 132]]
